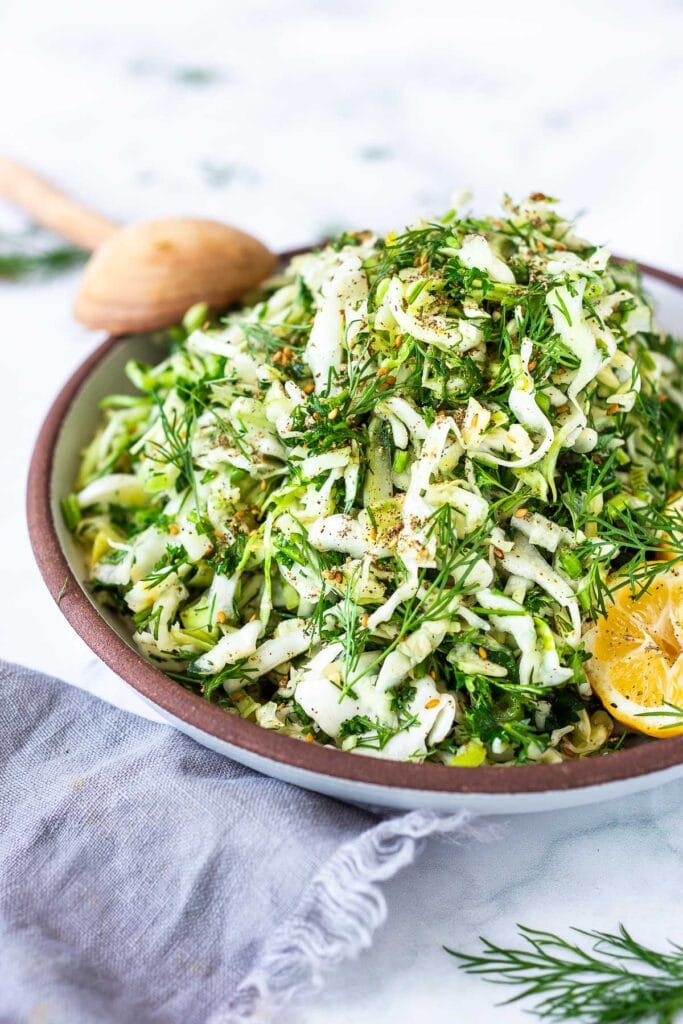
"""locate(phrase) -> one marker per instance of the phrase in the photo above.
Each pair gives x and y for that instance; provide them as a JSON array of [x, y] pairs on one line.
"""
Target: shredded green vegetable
[[377, 507]]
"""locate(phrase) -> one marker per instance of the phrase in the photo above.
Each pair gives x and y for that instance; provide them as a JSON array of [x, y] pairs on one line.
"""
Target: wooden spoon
[[147, 275]]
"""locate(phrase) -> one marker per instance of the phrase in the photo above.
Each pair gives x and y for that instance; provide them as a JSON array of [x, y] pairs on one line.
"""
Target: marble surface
[[293, 119]]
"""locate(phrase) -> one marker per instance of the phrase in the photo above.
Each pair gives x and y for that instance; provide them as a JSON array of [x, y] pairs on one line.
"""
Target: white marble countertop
[[291, 120]]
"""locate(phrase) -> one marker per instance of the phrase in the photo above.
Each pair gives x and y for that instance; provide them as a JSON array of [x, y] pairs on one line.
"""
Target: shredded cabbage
[[376, 507]]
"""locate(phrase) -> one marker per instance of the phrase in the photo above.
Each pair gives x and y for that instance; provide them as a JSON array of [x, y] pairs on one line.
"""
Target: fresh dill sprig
[[177, 430], [612, 979], [32, 254], [174, 558], [641, 535], [673, 712], [354, 635]]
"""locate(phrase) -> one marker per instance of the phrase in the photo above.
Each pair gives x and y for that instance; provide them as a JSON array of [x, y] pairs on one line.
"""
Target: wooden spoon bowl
[[147, 275]]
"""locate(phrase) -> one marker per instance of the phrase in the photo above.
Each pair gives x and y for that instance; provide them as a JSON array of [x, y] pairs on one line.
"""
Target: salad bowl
[[361, 779]]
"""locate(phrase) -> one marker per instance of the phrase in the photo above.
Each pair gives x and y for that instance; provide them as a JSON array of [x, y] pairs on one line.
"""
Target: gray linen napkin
[[146, 880]]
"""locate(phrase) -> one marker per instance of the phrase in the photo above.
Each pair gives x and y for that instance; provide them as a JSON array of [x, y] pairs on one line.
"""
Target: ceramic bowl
[[71, 421]]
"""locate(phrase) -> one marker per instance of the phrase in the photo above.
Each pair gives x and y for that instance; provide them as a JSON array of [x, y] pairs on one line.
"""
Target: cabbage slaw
[[372, 507]]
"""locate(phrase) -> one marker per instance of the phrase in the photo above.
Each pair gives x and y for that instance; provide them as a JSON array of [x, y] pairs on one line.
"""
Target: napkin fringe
[[338, 914]]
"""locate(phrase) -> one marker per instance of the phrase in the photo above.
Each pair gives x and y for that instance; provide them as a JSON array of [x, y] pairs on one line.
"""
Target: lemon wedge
[[636, 665]]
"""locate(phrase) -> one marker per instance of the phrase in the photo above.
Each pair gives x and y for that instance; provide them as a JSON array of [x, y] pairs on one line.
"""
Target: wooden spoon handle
[[51, 208]]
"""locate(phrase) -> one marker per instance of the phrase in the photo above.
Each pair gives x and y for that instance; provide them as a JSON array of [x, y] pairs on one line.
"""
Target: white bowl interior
[[78, 427]]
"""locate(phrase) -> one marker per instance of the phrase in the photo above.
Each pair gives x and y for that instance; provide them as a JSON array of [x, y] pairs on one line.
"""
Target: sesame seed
[[432, 703], [483, 653], [520, 513], [221, 617]]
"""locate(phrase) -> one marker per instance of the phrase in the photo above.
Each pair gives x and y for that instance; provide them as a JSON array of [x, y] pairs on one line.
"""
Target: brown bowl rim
[[192, 709]]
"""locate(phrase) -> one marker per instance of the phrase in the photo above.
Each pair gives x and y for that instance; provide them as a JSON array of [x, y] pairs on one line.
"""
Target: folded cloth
[[146, 880]]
